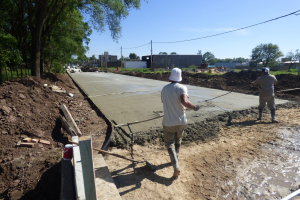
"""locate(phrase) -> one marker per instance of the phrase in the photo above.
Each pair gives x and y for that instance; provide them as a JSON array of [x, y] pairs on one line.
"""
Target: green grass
[[293, 71], [144, 70], [14, 74]]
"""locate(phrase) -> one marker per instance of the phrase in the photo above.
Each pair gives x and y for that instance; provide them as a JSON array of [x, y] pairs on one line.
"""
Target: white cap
[[266, 70], [175, 75]]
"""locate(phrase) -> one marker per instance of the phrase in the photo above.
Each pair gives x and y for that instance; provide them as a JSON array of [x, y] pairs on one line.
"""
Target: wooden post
[[70, 120], [86, 153]]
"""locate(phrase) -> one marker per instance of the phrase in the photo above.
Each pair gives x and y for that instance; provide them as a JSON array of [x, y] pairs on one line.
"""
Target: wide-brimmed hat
[[175, 75]]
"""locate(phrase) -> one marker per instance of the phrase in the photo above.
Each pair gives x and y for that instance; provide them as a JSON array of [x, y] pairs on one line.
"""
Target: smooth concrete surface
[[106, 188], [124, 99]]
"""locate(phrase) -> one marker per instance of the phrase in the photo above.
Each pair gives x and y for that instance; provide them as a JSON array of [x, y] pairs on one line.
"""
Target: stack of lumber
[[68, 122]]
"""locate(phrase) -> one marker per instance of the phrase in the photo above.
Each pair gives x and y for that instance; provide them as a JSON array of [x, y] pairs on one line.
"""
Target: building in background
[[104, 59], [173, 60]]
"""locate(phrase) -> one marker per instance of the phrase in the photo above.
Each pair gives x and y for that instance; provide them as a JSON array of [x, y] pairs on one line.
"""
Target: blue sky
[[168, 21]]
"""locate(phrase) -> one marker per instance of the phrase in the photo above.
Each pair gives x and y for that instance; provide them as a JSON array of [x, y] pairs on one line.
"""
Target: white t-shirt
[[174, 113]]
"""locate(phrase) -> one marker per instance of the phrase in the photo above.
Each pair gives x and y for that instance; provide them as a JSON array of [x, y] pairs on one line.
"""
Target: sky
[[170, 21]]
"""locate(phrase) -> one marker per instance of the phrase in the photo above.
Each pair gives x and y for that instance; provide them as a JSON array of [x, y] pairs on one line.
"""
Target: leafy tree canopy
[[163, 53], [208, 57], [133, 56], [173, 53], [266, 53]]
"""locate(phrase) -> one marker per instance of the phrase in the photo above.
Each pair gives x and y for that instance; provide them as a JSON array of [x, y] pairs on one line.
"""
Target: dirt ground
[[28, 109], [207, 168]]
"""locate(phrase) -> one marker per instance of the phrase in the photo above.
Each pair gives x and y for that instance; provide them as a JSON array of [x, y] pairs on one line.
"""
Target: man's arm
[[256, 82], [186, 102], [275, 80]]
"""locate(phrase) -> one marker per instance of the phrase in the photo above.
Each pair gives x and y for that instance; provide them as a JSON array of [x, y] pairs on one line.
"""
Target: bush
[[193, 67], [57, 68]]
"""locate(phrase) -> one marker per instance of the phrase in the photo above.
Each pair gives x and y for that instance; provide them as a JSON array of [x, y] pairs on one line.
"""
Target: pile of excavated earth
[[28, 109]]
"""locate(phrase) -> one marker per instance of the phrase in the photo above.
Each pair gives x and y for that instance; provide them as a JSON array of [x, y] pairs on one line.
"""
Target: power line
[[138, 46], [116, 51], [293, 13]]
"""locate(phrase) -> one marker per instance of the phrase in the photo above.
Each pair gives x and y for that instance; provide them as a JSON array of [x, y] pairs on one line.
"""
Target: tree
[[41, 17], [208, 57], [93, 57], [163, 53], [66, 41], [9, 54], [132, 56], [199, 52], [266, 53], [173, 53], [293, 57]]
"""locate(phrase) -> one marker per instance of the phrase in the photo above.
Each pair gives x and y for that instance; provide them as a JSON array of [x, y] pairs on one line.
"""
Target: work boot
[[273, 116], [177, 148], [174, 161], [260, 111]]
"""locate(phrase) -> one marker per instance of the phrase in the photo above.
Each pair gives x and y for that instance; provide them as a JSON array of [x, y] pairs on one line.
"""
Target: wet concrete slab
[[125, 99]]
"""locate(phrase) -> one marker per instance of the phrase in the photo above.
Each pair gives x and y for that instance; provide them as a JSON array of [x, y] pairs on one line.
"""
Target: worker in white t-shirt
[[175, 98]]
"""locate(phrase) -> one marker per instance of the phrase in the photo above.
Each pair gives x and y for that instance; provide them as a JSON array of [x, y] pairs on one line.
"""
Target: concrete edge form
[[67, 180], [78, 176], [86, 153], [106, 188], [109, 123]]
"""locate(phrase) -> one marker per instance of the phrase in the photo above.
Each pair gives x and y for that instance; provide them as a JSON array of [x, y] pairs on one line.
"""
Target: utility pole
[[152, 69], [121, 54], [298, 53], [121, 58]]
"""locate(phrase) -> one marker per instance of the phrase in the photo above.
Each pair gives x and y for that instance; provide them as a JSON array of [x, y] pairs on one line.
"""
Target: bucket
[[209, 71], [68, 152]]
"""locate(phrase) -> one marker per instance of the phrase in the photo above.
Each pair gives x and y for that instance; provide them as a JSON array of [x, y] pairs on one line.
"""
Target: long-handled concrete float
[[151, 167]]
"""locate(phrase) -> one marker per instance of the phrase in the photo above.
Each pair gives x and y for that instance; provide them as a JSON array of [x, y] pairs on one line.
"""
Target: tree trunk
[[36, 53], [21, 67], [41, 61], [290, 67], [0, 74], [6, 73]]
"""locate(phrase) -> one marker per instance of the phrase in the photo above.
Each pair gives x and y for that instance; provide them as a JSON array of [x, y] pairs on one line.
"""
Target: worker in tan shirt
[[265, 85]]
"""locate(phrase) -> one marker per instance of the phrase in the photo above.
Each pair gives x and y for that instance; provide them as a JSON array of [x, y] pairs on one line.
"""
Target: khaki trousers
[[173, 134], [269, 100]]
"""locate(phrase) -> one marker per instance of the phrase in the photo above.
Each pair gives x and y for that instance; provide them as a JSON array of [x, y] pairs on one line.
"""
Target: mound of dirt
[[28, 109], [230, 81]]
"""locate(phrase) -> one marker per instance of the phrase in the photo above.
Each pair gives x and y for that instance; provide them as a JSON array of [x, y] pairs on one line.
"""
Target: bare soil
[[28, 109], [210, 170]]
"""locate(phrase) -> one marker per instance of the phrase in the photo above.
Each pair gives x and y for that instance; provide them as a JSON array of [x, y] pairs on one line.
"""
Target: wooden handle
[[106, 152]]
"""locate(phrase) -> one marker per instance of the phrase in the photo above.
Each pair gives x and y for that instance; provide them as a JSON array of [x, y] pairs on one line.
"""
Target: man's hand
[[197, 107]]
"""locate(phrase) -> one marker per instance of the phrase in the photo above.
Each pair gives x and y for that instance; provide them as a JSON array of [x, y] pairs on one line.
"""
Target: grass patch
[[292, 71], [144, 70]]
